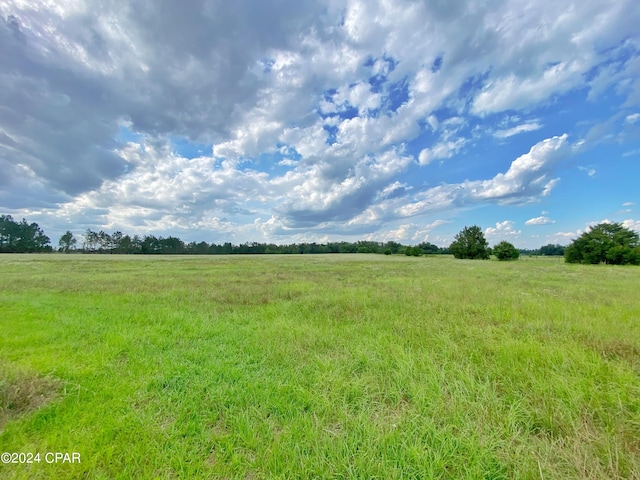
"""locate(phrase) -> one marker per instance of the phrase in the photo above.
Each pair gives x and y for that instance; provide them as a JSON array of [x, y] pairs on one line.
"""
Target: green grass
[[345, 366]]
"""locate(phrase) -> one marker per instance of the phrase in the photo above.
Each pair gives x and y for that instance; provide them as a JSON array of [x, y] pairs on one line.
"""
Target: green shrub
[[506, 251]]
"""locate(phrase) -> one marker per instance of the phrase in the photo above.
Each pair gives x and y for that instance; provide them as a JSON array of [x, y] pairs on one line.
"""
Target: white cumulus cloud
[[309, 117], [542, 220], [502, 231]]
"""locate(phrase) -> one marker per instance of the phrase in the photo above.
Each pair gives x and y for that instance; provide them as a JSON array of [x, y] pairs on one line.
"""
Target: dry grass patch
[[22, 392]]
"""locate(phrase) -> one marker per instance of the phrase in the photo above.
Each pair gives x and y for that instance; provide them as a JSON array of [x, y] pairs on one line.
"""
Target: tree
[[428, 248], [22, 237], [104, 240], [116, 242], [605, 243], [470, 243], [394, 247], [67, 242], [506, 251], [8, 233], [150, 244], [90, 241]]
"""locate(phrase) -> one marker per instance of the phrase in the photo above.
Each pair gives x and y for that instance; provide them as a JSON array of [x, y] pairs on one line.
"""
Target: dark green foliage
[[413, 251], [393, 246], [545, 250], [67, 242], [605, 243], [552, 250], [102, 242], [22, 237], [429, 248], [506, 251], [470, 243]]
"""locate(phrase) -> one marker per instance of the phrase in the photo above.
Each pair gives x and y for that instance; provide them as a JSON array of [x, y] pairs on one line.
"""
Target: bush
[[413, 251], [506, 251]]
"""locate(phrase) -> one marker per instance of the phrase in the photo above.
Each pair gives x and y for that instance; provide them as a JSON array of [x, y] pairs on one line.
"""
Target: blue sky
[[319, 121]]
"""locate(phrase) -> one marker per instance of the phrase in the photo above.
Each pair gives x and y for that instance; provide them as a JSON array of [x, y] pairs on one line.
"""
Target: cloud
[[400, 234], [73, 74], [631, 153], [440, 151], [563, 238], [316, 116], [529, 175], [627, 223], [527, 179], [631, 224], [588, 170], [423, 234], [502, 231], [287, 162], [552, 63], [165, 191], [542, 220], [327, 191], [408, 232], [633, 118], [510, 132], [511, 92]]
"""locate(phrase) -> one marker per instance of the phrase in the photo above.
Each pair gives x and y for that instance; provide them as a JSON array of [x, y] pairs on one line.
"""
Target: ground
[[328, 366]]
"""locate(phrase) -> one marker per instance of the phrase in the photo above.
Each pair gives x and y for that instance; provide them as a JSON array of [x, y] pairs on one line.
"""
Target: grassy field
[[329, 366]]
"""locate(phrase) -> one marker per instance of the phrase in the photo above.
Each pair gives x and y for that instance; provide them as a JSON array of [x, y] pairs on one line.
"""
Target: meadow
[[319, 366]]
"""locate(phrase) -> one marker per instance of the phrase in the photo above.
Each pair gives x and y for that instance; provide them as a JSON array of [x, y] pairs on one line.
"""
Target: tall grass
[[346, 366]]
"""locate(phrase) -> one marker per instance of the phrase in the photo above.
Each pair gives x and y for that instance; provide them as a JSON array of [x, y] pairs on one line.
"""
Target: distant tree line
[[105, 243], [545, 250], [102, 242], [604, 243], [22, 237]]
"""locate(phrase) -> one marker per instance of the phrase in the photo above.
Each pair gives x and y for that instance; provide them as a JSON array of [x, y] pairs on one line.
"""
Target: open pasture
[[328, 366]]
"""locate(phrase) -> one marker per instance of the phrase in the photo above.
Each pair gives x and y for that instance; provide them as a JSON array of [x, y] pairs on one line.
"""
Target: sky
[[282, 121]]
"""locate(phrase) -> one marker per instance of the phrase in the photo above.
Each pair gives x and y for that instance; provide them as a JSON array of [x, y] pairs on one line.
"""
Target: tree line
[[108, 243], [104, 243], [22, 237], [604, 243], [25, 237], [608, 242]]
